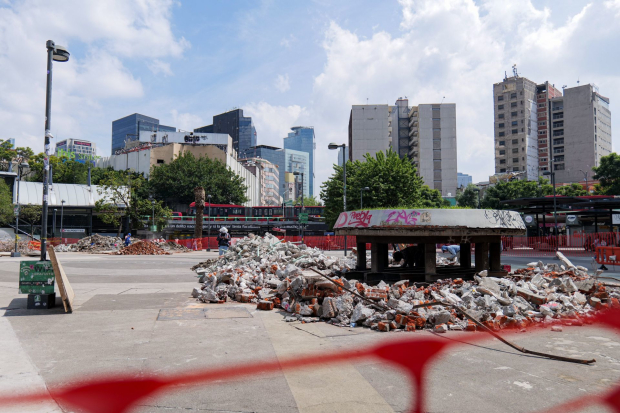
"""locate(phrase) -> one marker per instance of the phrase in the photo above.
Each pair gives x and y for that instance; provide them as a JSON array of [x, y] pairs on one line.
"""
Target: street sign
[[36, 277], [303, 217], [16, 210], [73, 230]]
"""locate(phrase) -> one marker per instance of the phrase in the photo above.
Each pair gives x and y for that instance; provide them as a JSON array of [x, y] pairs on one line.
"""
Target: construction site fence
[[576, 245]]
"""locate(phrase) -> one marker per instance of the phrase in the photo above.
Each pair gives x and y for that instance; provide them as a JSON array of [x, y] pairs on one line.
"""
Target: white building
[[78, 149]]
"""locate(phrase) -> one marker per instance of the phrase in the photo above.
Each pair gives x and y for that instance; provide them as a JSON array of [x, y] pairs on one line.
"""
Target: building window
[[502, 170], [502, 143], [513, 95], [515, 123], [558, 124], [559, 149], [502, 161], [515, 141], [500, 98], [500, 107], [515, 169], [558, 132], [543, 159], [558, 167], [515, 131], [558, 141], [515, 150], [541, 105], [542, 132], [543, 141], [513, 114], [160, 161], [515, 160], [501, 125], [513, 105], [502, 133], [542, 123], [542, 150], [437, 119], [502, 152], [544, 168], [500, 116]]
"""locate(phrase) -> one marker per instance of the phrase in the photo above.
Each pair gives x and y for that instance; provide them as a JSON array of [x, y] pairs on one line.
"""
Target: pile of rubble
[[271, 273], [9, 246], [94, 244], [142, 248], [171, 246]]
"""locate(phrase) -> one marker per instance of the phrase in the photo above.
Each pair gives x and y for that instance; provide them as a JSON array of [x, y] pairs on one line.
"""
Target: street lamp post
[[362, 196], [62, 214], [54, 223], [153, 211], [20, 165], [59, 54], [209, 226], [585, 174], [302, 200], [344, 173], [555, 209]]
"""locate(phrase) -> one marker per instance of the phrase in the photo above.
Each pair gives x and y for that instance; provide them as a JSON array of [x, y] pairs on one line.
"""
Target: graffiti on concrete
[[506, 219], [359, 219], [401, 217]]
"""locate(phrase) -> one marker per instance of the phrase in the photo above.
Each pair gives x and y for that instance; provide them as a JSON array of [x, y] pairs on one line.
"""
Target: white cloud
[[186, 121], [102, 37], [288, 41], [157, 66], [282, 83], [273, 123], [458, 50]]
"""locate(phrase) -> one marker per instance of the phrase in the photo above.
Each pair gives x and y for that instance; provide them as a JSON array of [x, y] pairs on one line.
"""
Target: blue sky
[[290, 63]]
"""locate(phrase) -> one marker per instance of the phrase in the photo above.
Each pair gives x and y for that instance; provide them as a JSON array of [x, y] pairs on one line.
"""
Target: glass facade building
[[129, 127], [298, 161], [240, 128], [287, 160], [302, 139]]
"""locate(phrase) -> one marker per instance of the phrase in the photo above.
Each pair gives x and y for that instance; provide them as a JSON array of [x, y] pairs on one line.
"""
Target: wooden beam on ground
[[64, 287]]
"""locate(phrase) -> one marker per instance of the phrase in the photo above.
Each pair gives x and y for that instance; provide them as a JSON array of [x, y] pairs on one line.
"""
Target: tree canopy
[[608, 174], [8, 153], [177, 180], [504, 191], [6, 203], [573, 189], [392, 182], [308, 201], [469, 197], [64, 170]]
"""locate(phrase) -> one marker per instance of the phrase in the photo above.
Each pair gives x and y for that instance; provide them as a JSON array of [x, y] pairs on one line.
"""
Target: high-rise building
[[80, 150], [516, 126], [302, 139], [287, 160], [426, 134], [340, 155], [12, 142], [463, 180], [539, 128], [580, 132], [128, 129], [268, 176], [239, 127], [298, 161]]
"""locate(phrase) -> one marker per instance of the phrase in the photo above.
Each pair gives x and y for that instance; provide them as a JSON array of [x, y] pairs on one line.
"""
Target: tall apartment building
[[128, 129], [516, 127], [302, 139], [580, 132], [239, 127], [268, 177], [538, 128], [426, 134]]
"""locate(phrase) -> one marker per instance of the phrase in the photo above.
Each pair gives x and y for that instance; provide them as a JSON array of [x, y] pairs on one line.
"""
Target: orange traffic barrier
[[34, 245], [607, 255]]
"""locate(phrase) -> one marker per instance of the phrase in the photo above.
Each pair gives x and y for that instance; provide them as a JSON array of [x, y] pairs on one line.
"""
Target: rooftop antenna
[[505, 75], [442, 99], [577, 81], [563, 87], [514, 70]]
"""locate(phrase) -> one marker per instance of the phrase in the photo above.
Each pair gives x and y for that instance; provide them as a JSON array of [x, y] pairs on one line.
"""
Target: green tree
[[175, 181], [504, 191], [6, 203], [8, 153], [64, 170], [393, 182], [608, 174], [308, 201], [31, 214], [573, 189], [469, 197]]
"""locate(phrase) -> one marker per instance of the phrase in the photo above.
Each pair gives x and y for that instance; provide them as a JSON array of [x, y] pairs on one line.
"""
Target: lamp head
[[366, 189], [61, 54], [333, 146], [547, 173]]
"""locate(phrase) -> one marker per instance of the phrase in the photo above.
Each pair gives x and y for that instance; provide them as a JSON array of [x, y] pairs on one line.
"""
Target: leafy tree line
[[392, 182]]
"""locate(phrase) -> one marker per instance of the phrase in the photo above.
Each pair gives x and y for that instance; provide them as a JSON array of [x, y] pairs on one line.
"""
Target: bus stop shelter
[[427, 228]]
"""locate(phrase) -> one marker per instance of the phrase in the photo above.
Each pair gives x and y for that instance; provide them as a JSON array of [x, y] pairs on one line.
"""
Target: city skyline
[[164, 61]]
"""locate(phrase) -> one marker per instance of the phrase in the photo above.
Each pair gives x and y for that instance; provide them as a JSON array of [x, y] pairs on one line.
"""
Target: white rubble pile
[[94, 243], [270, 273]]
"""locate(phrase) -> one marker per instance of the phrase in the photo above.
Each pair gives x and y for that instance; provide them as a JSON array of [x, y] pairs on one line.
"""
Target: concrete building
[[142, 159], [80, 150], [268, 177], [239, 127], [516, 126], [288, 160], [463, 180], [544, 92], [432, 145], [370, 130], [128, 129], [580, 132], [302, 139], [291, 190]]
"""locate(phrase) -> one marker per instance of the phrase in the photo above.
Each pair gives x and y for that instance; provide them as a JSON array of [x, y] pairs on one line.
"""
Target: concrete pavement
[[130, 318]]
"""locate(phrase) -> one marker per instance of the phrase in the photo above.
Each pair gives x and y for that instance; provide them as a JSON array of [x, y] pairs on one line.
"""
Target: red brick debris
[[142, 248]]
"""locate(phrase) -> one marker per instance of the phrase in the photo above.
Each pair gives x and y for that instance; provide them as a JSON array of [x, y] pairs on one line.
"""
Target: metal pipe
[[16, 253], [344, 198], [209, 226]]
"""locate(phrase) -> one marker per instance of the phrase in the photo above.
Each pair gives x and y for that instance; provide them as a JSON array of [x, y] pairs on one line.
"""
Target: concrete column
[[466, 256], [377, 261], [482, 256], [495, 260], [361, 256], [384, 248], [430, 259]]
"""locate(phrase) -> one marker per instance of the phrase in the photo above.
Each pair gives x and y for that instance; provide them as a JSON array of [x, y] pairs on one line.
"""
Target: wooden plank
[[64, 287]]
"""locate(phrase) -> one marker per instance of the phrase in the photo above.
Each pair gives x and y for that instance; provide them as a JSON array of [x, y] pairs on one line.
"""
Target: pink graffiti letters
[[342, 220], [402, 217], [360, 219]]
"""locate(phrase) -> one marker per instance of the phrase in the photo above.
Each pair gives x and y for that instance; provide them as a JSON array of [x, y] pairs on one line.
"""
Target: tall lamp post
[[333, 146], [585, 174], [302, 200], [20, 165], [362, 196], [209, 226], [62, 215], [555, 209], [58, 54]]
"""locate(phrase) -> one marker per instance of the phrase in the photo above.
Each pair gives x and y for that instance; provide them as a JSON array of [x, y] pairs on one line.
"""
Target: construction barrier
[[607, 255]]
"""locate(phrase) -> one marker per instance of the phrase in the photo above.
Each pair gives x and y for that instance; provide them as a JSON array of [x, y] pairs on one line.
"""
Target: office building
[[128, 129], [298, 161], [12, 142], [239, 127], [426, 134], [77, 149], [302, 139], [580, 132], [268, 177], [463, 180], [287, 160], [340, 155], [291, 190], [539, 128]]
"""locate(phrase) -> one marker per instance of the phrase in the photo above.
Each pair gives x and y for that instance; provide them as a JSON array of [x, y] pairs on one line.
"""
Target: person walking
[[223, 240], [128, 239]]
